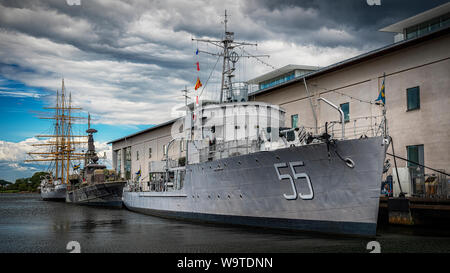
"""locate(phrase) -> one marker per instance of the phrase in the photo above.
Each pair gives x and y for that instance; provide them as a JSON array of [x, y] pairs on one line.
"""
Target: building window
[[137, 155], [345, 107], [182, 146], [294, 121], [413, 98], [119, 162], [164, 150], [149, 152], [415, 154], [127, 163]]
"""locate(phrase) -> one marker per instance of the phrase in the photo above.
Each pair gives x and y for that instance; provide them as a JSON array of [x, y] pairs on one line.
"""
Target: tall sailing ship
[[281, 177], [60, 150]]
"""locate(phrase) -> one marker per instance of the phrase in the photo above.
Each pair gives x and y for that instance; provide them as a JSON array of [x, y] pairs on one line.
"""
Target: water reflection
[[28, 224]]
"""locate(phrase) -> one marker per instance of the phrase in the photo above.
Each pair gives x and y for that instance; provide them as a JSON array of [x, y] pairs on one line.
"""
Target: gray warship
[[95, 185], [272, 176]]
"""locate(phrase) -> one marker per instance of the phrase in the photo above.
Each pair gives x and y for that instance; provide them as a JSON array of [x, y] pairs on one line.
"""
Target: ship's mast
[[61, 143], [57, 135], [91, 155], [230, 57]]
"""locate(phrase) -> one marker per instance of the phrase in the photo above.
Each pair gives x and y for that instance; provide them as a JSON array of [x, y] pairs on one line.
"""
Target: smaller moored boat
[[95, 184], [52, 189]]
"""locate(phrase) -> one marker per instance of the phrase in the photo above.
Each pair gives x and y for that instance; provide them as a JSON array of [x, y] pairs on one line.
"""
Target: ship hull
[[108, 194], [317, 194], [54, 193]]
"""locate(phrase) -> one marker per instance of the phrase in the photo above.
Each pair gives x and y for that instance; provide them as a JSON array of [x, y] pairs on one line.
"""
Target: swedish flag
[[138, 175], [76, 167], [382, 95]]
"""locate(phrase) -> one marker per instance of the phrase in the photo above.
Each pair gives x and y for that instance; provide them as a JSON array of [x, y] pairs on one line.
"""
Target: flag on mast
[[198, 66], [138, 174], [198, 84], [381, 96]]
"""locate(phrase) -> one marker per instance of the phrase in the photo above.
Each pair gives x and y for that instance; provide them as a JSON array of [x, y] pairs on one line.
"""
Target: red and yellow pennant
[[198, 84]]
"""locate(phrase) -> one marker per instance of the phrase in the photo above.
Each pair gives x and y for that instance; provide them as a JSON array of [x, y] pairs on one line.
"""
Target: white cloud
[[133, 73]]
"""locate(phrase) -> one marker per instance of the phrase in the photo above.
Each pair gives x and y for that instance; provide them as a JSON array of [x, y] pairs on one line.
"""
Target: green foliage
[[4, 182], [29, 184]]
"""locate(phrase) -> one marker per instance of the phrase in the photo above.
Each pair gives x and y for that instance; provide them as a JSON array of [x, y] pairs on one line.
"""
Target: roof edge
[[358, 59]]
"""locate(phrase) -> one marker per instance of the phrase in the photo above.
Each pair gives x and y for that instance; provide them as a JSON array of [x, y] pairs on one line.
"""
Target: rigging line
[[342, 94], [407, 160], [209, 76], [261, 61]]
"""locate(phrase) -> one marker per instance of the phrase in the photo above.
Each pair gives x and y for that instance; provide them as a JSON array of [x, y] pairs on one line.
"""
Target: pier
[[414, 211]]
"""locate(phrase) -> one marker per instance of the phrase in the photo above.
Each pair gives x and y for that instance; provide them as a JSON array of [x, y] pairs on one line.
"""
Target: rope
[[342, 94], [407, 160], [210, 74], [261, 61], [402, 194]]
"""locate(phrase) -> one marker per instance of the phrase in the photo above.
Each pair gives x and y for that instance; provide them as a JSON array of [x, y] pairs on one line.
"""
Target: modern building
[[416, 74], [279, 76], [133, 153], [421, 24]]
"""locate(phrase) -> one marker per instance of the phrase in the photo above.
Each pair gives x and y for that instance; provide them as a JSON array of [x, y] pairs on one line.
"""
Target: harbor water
[[28, 224]]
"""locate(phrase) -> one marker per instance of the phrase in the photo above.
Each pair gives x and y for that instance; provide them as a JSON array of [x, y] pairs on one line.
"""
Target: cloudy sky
[[126, 61]]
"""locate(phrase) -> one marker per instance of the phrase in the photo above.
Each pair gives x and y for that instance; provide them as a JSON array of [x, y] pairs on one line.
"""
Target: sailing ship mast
[[62, 144], [230, 57]]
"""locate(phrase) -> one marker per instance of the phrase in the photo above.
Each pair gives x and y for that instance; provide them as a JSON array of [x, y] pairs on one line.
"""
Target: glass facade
[[276, 81], [413, 98], [345, 107], [428, 26]]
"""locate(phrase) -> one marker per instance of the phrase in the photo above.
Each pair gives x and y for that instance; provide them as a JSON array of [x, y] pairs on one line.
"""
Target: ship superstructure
[[243, 166], [95, 184]]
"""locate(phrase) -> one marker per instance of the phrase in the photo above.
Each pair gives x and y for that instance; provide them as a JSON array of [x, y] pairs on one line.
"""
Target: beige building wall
[[426, 65], [155, 139]]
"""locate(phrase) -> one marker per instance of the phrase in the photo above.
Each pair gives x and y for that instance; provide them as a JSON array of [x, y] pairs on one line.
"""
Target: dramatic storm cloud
[[126, 61]]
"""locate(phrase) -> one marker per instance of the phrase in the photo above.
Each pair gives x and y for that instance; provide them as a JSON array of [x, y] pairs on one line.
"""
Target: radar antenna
[[230, 58]]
